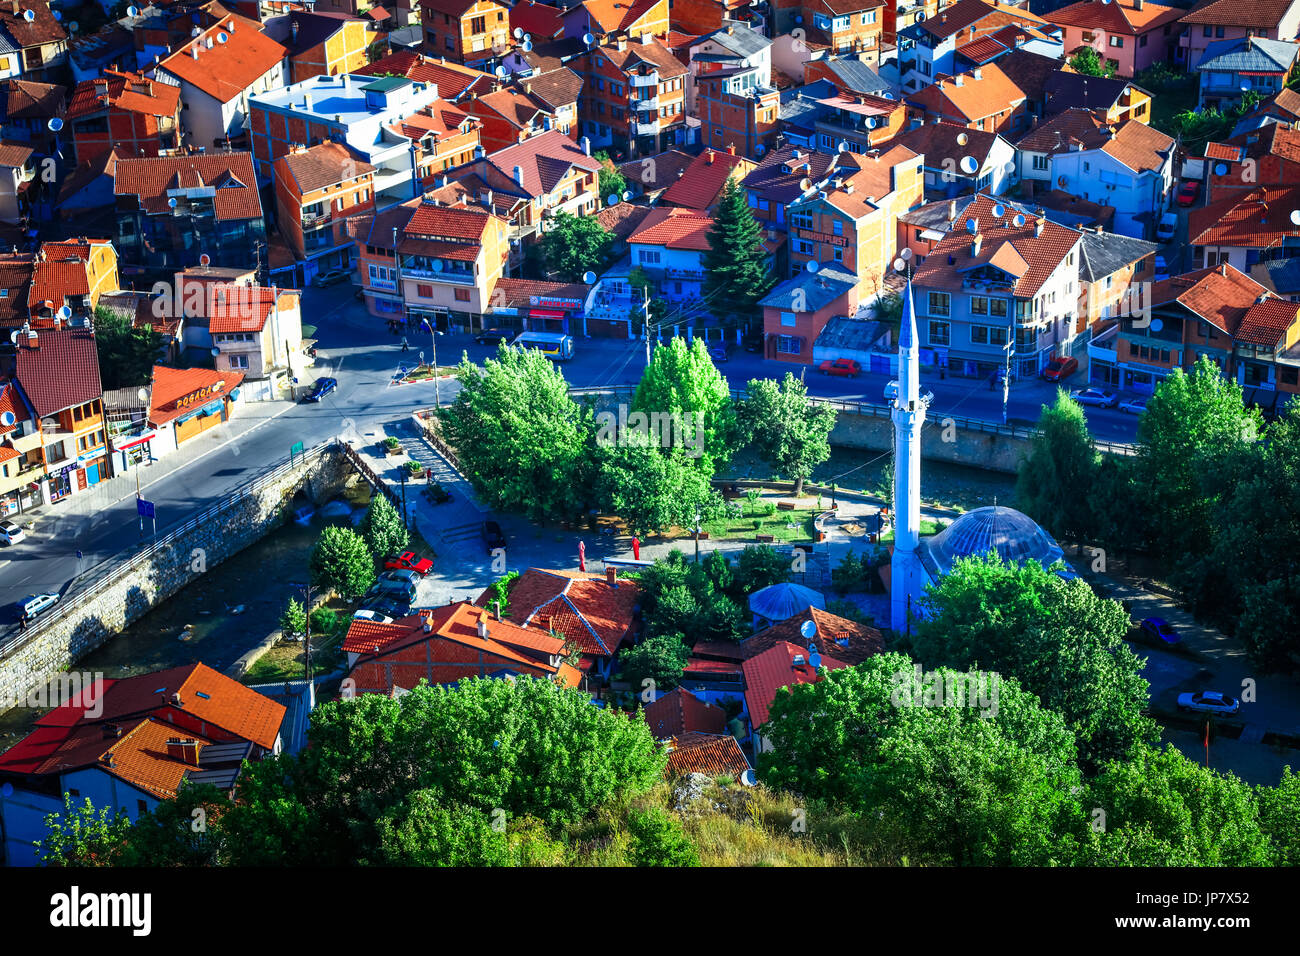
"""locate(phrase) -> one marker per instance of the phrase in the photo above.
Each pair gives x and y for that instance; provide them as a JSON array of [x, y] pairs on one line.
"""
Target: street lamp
[[306, 641], [698, 518]]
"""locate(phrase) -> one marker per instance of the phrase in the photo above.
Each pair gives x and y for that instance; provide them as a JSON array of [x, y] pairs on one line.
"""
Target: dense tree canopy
[[683, 384], [574, 245], [789, 432], [127, 354], [1062, 460]]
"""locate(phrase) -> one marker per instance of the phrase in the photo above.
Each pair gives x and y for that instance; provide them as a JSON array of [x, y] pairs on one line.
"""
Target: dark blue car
[[1161, 630], [321, 388]]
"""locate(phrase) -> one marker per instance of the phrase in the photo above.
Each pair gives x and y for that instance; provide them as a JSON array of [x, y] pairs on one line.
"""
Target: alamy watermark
[[83, 689], [920, 688], [665, 429]]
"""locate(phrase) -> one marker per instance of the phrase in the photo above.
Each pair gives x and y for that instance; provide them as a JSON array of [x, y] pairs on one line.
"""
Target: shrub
[[658, 840]]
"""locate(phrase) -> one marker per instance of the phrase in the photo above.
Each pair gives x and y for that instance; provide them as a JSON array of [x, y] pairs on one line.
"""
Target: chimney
[[185, 750], [621, 44], [731, 150], [708, 159], [194, 51], [797, 662], [307, 100], [977, 74], [1039, 225], [427, 622], [519, 175], [975, 245], [496, 610], [952, 209], [586, 146], [959, 80], [483, 626], [176, 699], [32, 342], [1137, 5], [647, 39], [611, 576]]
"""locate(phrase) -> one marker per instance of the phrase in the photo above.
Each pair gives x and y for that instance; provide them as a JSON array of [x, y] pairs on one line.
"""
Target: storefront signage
[[553, 302], [200, 395], [822, 237], [129, 441]]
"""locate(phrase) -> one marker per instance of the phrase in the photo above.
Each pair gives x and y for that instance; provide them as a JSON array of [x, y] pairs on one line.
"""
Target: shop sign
[[200, 395]]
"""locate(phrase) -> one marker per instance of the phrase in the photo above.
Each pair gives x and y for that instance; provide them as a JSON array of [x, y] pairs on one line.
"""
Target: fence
[[85, 586]]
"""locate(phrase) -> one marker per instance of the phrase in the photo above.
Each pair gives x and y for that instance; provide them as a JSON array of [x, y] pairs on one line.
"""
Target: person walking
[[406, 347]]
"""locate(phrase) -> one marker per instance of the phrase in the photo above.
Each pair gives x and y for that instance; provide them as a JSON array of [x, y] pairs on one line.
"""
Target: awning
[[547, 314], [131, 443]]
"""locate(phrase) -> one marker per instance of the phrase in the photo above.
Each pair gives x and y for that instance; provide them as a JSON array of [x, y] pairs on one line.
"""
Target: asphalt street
[[363, 355]]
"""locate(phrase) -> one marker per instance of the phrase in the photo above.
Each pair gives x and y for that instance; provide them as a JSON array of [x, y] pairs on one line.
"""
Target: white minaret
[[908, 575]]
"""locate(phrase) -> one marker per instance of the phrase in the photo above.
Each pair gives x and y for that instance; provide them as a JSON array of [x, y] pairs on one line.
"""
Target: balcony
[[312, 219], [644, 129], [649, 104], [649, 79], [455, 278]]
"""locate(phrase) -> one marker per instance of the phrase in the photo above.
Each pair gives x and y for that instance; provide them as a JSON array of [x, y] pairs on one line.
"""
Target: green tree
[[383, 529], [1062, 461], [498, 593], [340, 562], [737, 273], [324, 622], [1057, 638], [522, 442], [574, 245], [651, 489], [420, 831], [760, 566], [612, 182], [83, 835], [683, 385], [658, 840], [1088, 61], [960, 784], [660, 658], [293, 622], [1161, 809], [1279, 811], [182, 831], [127, 354], [789, 432]]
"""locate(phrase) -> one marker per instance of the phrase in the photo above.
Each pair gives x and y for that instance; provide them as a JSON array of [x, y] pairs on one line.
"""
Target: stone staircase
[[460, 519]]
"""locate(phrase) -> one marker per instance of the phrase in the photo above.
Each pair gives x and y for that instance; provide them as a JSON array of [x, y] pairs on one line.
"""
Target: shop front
[[134, 451], [21, 499], [195, 423], [63, 482], [551, 313]]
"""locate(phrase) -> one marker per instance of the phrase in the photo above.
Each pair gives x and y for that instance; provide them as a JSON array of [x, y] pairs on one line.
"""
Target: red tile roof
[[543, 22], [1265, 323], [55, 279], [58, 370], [679, 712], [715, 755], [171, 385], [545, 160], [1115, 17], [150, 178], [1235, 13], [15, 155], [518, 293], [122, 90], [325, 164], [674, 229], [850, 641], [982, 50], [700, 186], [1254, 220], [613, 16], [972, 99], [447, 222], [41, 29], [774, 669], [241, 308], [15, 279], [1221, 295], [11, 401], [225, 70], [965, 13], [582, 607], [452, 79]]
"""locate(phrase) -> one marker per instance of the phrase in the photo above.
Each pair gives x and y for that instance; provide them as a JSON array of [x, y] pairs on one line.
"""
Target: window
[[1040, 161], [1218, 33], [424, 291], [788, 344], [1117, 42], [979, 305], [803, 247], [787, 318], [1142, 40], [940, 333], [478, 25], [837, 227], [238, 361], [940, 303], [1205, 31], [1287, 375], [838, 253], [650, 256], [1088, 36]]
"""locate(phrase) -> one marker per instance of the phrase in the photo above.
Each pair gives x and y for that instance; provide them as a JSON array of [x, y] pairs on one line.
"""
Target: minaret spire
[[907, 572]]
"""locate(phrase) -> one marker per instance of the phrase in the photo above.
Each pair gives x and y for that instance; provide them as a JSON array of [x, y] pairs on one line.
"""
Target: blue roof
[[1247, 54]]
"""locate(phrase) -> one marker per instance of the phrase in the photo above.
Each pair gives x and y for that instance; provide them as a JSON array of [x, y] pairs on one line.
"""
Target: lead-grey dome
[[1013, 535]]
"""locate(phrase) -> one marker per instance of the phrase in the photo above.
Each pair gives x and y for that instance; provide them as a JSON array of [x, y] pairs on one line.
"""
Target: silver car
[[1209, 702], [37, 603]]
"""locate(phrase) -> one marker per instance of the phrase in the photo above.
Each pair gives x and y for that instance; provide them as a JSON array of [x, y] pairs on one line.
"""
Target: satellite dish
[[29, 16], [215, 351], [7, 419], [143, 395], [805, 184], [589, 277], [962, 139], [73, 27], [886, 94], [999, 211], [528, 46], [920, 15], [814, 660], [906, 254], [588, 40], [627, 194], [519, 32], [871, 122], [500, 71], [968, 165], [811, 265], [57, 14], [437, 265], [528, 38], [1157, 325], [972, 226], [13, 336], [900, 264], [808, 629], [65, 313], [222, 38], [205, 260], [171, 202], [613, 199], [760, 149], [843, 147], [54, 125], [1295, 216], [1221, 170], [1019, 220], [132, 12], [748, 779], [1010, 167]]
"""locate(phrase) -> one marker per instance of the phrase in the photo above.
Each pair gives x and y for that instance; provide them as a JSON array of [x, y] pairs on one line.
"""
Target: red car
[[1060, 368], [408, 561], [1188, 192], [841, 366]]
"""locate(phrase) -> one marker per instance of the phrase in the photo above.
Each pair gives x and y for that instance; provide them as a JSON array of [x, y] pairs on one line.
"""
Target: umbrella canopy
[[779, 602]]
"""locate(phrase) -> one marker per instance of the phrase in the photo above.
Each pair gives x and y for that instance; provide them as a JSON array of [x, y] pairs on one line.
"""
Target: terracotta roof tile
[[131, 92], [679, 712], [966, 13], [715, 755], [850, 641], [1115, 17], [543, 22], [170, 385], [1235, 13], [42, 29], [674, 229], [150, 177], [582, 607], [544, 158], [700, 186], [612, 16], [654, 54], [1265, 323], [325, 164], [511, 292], [59, 370], [1254, 220], [26, 99], [15, 280], [1221, 295], [225, 70], [453, 80], [15, 155], [974, 99], [775, 668]]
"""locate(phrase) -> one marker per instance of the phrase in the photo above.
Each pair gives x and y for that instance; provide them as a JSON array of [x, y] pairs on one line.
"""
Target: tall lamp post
[[698, 518]]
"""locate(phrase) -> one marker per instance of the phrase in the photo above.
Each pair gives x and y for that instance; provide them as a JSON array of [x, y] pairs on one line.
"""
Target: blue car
[[321, 388], [1161, 630]]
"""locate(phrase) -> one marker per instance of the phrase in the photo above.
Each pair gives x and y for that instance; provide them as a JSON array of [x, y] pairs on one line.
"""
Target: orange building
[[316, 190], [123, 111], [634, 96], [467, 31], [983, 99], [72, 274], [326, 44], [847, 26]]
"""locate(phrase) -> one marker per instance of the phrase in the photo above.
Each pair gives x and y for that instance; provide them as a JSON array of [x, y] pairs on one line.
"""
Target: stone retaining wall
[[148, 579]]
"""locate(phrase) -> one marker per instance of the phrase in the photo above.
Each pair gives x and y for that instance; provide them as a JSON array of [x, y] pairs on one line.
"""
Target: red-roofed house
[[715, 755], [681, 712], [1132, 34], [1211, 20], [455, 82], [126, 745], [617, 19], [58, 371], [466, 31], [781, 666], [450, 259], [1245, 228], [596, 613], [38, 40], [123, 111], [1268, 156], [17, 179], [186, 402], [509, 116], [539, 20], [984, 99], [316, 190], [700, 186], [451, 643], [72, 274], [669, 246], [217, 76]]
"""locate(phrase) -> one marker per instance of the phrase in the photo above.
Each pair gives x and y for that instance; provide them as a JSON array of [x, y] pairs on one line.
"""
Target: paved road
[[359, 351]]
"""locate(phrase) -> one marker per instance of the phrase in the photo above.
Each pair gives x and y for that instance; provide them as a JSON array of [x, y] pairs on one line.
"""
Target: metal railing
[[94, 580]]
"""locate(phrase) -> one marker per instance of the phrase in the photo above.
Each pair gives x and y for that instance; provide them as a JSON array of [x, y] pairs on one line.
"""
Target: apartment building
[[326, 43], [472, 32], [449, 260], [634, 97], [316, 190], [125, 111]]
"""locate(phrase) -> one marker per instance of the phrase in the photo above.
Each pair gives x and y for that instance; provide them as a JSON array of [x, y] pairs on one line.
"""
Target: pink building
[[1133, 34], [1232, 20]]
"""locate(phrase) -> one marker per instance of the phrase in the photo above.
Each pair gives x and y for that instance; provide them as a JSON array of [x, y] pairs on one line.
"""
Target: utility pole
[[645, 310], [311, 694]]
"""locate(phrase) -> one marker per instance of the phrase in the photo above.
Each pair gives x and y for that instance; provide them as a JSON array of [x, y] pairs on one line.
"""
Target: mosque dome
[[780, 602], [1013, 535]]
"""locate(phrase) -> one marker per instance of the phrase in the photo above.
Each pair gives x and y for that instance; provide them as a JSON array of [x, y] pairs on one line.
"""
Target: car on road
[[402, 576], [1060, 368], [718, 352], [35, 604], [374, 617], [408, 560], [1133, 406], [1096, 397], [891, 393], [1188, 191], [1162, 270], [10, 533], [332, 277], [1209, 702], [1159, 629], [494, 336], [845, 367], [1168, 226], [320, 388], [492, 536]]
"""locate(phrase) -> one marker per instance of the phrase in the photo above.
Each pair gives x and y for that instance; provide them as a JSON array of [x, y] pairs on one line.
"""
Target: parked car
[[332, 277], [389, 590], [1168, 226], [402, 576], [1096, 397], [10, 533], [718, 352], [320, 388], [1060, 368], [492, 536], [35, 604], [1188, 191], [494, 336], [752, 343], [1133, 406], [845, 367], [891, 393], [1162, 269], [409, 560], [1209, 702], [1160, 629], [372, 616]]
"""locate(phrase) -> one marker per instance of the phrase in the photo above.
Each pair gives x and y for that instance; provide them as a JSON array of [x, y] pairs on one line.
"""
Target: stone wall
[[143, 582], [974, 449]]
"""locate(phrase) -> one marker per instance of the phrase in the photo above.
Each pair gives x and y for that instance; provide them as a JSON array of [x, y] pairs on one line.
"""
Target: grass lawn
[[746, 527], [929, 526], [285, 660]]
